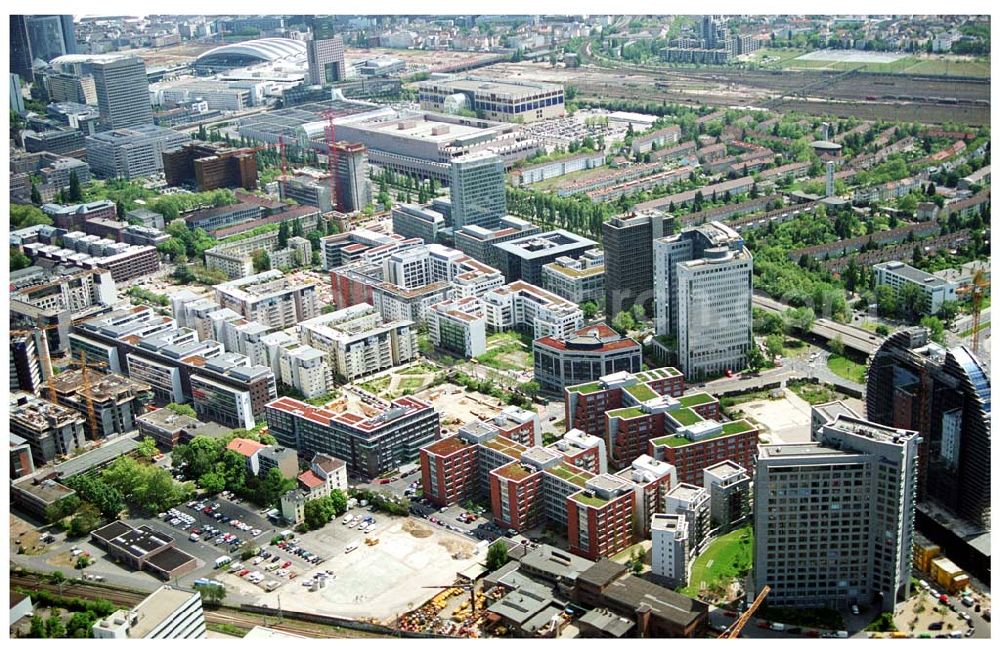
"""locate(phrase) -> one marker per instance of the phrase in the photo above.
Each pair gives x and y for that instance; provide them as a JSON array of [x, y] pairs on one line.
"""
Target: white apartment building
[[306, 369], [671, 553], [167, 613], [525, 307], [577, 279], [703, 290], [458, 326], [358, 342], [935, 290], [269, 298]]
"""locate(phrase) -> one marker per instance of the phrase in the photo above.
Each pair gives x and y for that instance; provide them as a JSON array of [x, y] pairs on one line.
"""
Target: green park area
[[846, 368], [729, 556], [507, 350]]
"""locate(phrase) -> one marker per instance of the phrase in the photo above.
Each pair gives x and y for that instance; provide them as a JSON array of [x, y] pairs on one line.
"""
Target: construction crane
[[737, 627], [979, 282]]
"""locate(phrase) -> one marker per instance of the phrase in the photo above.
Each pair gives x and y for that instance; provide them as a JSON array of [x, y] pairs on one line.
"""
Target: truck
[[222, 560], [271, 585]]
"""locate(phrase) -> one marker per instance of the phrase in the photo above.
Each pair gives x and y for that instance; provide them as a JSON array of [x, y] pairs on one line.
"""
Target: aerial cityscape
[[499, 326]]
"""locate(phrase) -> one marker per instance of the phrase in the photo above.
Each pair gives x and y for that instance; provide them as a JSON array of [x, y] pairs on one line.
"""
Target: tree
[[36, 197], [25, 215], [936, 327], [212, 594], [80, 624], [75, 191], [530, 388], [755, 358], [318, 513], [272, 486], [800, 319], [623, 322], [638, 312], [147, 449], [37, 630], [837, 345], [212, 482], [636, 560], [283, 234], [885, 299], [338, 501], [182, 409], [62, 508], [18, 260], [589, 309], [496, 555], [775, 345], [948, 311], [54, 627], [86, 520], [261, 260]]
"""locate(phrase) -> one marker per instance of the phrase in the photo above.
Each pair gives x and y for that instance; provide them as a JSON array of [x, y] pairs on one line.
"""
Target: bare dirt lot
[[787, 419], [377, 581], [458, 406]]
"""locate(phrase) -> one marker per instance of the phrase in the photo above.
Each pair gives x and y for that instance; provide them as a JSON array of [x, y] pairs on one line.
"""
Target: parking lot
[[208, 544], [456, 518], [379, 580]]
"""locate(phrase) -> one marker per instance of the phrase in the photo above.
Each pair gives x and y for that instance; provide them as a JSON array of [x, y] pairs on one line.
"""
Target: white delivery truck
[[222, 560]]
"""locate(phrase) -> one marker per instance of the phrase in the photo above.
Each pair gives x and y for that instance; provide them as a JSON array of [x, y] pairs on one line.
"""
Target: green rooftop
[[686, 416], [594, 501], [626, 413], [571, 474], [658, 373], [696, 399], [642, 392], [739, 426], [593, 386], [729, 428], [514, 471]]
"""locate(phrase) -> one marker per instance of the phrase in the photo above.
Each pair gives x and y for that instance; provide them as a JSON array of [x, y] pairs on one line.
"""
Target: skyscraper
[[326, 60], [122, 92], [833, 520], [477, 190], [50, 36], [353, 189], [628, 259], [914, 383], [20, 48], [704, 288]]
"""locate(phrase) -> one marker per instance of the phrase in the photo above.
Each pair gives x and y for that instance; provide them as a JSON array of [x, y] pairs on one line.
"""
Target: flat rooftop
[[911, 273], [447, 446], [797, 450], [156, 608]]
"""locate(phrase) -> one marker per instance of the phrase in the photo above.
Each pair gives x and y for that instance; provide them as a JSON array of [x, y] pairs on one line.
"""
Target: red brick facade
[[608, 527], [448, 471], [692, 459]]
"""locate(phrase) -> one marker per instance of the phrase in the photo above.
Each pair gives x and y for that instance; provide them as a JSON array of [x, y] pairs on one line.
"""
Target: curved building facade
[[944, 394], [249, 53]]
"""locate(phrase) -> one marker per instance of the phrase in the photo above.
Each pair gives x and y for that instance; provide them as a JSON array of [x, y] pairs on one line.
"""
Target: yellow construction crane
[[979, 282], [46, 361], [737, 627]]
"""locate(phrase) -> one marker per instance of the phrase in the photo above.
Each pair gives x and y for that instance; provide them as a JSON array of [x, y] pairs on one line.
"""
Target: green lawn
[[982, 325], [726, 558], [845, 368], [411, 382]]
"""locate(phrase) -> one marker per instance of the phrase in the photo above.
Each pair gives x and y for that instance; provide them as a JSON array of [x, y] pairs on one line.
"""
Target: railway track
[[221, 616]]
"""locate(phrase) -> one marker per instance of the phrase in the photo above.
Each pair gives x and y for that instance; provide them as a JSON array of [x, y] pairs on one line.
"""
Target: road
[[853, 337]]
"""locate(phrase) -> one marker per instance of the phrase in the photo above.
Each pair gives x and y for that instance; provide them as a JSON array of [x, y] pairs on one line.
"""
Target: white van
[[348, 518], [350, 547]]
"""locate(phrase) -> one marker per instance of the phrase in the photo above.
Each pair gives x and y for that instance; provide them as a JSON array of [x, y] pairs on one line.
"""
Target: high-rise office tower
[[833, 519], [704, 289], [20, 47], [914, 383], [25, 366], [628, 259], [353, 188], [477, 190], [326, 60], [50, 36], [709, 31], [122, 92]]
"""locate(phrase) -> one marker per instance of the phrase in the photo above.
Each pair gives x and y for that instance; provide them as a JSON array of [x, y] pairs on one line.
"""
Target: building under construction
[[50, 430], [210, 165], [109, 403]]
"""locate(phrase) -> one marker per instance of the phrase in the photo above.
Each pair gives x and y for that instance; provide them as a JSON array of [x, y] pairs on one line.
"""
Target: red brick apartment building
[[586, 404], [706, 444], [600, 518]]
